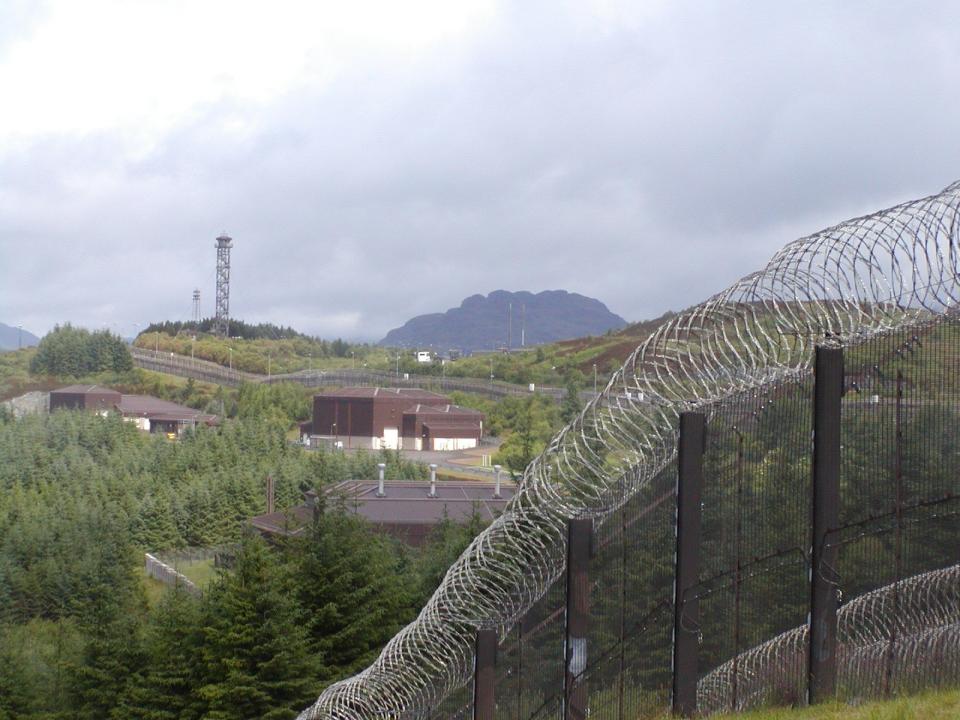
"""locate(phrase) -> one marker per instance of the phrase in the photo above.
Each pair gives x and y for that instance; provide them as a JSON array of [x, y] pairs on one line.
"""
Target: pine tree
[[108, 610], [350, 586], [255, 653], [165, 688], [14, 695]]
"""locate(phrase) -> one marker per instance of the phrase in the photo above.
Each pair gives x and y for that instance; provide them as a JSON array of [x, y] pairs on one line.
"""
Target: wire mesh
[[899, 509], [865, 280]]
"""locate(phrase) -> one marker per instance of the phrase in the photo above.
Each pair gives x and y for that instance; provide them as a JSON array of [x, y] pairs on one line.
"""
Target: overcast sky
[[375, 161]]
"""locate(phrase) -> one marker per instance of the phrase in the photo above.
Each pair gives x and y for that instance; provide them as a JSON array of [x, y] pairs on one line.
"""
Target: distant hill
[[482, 323], [10, 338]]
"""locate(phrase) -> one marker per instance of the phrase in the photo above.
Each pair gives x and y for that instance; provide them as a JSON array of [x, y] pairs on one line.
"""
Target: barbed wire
[[890, 270], [922, 611]]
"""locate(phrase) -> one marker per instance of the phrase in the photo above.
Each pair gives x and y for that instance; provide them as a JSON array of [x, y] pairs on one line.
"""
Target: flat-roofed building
[[443, 427], [406, 510], [84, 397], [393, 418]]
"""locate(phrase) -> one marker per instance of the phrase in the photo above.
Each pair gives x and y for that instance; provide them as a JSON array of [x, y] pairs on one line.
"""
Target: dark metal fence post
[[579, 535], [483, 675], [828, 390], [686, 609]]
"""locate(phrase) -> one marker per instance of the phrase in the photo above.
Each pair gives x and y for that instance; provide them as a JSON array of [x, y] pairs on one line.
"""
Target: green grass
[[199, 572], [153, 589], [933, 705], [545, 365], [262, 355]]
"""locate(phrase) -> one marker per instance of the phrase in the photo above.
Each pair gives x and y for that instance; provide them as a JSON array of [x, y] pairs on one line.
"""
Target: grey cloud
[[647, 166]]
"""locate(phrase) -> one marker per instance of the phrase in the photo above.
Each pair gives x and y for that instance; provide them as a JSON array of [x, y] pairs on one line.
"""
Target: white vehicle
[[424, 356]]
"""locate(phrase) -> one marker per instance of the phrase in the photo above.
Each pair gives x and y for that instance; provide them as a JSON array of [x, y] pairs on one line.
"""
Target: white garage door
[[391, 438]]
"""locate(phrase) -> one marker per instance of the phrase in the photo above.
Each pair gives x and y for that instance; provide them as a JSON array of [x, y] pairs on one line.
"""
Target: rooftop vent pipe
[[380, 491], [433, 480], [496, 489]]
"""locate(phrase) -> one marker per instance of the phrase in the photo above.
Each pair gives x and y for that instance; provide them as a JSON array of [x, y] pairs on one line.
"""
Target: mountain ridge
[[486, 322], [10, 338]]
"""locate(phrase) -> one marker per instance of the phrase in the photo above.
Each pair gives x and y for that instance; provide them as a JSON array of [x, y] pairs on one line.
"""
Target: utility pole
[[231, 358], [19, 337], [523, 325], [156, 347], [509, 325], [594, 378]]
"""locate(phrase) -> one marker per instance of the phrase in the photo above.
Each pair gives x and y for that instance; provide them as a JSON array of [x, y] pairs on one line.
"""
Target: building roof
[[290, 522], [412, 394], [141, 405], [409, 502], [157, 409], [448, 410], [85, 389], [405, 507]]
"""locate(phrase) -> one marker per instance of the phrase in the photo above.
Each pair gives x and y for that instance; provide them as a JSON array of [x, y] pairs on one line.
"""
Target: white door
[[391, 438]]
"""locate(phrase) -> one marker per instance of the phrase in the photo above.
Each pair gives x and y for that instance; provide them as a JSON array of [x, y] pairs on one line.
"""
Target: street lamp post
[[353, 360]]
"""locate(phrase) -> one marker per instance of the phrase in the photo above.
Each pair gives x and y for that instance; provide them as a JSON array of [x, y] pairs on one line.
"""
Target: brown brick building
[[147, 413], [394, 418]]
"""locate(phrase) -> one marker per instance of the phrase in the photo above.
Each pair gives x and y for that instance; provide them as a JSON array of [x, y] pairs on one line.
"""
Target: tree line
[[82, 497], [67, 351]]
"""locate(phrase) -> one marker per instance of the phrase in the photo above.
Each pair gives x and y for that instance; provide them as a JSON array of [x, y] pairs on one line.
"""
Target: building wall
[[141, 423], [352, 416], [444, 444], [361, 417], [102, 400]]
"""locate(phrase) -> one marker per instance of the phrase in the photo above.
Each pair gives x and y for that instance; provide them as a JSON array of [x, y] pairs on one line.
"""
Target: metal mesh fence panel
[[756, 512], [629, 640], [899, 511]]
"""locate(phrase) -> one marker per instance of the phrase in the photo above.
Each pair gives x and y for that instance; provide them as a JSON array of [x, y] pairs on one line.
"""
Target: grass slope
[[16, 379], [545, 364], [934, 705]]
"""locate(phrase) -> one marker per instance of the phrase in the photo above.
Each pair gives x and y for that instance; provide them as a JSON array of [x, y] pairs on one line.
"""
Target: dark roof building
[[394, 418], [406, 510], [148, 413], [443, 427], [84, 397]]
